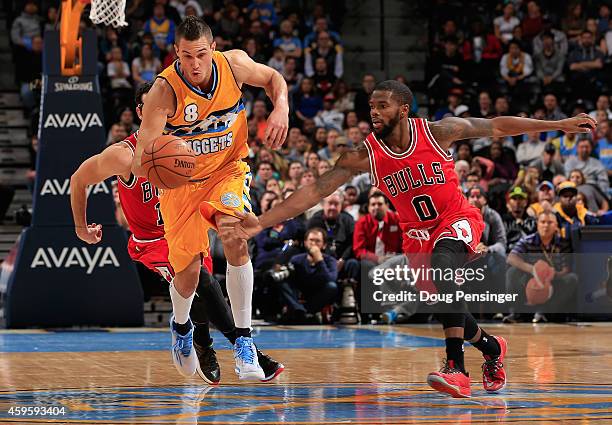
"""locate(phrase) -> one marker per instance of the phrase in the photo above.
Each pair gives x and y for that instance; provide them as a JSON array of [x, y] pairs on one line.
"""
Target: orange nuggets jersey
[[213, 123]]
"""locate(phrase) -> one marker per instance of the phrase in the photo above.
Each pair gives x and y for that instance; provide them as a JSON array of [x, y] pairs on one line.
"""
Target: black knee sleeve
[[209, 304], [451, 320]]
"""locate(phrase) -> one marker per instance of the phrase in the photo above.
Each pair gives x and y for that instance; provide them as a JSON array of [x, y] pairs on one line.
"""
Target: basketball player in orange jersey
[[147, 245], [409, 162], [198, 98]]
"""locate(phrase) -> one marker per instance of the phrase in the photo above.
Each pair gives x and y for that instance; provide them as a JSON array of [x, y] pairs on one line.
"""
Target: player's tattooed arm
[[349, 164], [449, 130]]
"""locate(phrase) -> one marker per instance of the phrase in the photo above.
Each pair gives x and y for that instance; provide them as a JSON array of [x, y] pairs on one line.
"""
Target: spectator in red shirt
[[377, 235]]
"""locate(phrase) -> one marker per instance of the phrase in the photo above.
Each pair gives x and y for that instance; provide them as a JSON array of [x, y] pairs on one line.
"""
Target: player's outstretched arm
[[449, 130], [161, 104], [114, 160], [349, 164], [247, 71]]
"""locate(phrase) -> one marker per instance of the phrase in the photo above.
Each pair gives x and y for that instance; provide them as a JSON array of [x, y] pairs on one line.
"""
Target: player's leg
[[449, 254], [493, 349], [182, 292], [211, 302], [239, 283]]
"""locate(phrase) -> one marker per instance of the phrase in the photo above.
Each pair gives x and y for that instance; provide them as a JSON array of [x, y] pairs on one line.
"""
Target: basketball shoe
[[271, 367], [493, 373], [245, 355], [450, 380], [208, 367], [183, 354]]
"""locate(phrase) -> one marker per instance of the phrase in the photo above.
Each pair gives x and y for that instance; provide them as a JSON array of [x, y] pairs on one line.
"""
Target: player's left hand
[[581, 123], [276, 131], [244, 229]]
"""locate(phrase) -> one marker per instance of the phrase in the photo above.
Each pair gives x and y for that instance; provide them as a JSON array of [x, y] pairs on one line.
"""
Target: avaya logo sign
[[78, 120], [75, 257], [57, 187]]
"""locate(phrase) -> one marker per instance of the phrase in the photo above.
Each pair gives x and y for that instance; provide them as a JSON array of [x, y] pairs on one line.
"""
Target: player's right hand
[[92, 234], [245, 229]]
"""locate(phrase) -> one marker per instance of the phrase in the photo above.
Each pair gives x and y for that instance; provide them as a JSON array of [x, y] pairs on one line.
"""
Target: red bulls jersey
[[140, 203], [420, 182]]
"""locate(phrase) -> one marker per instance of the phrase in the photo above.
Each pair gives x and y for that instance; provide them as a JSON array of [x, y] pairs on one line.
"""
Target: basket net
[[108, 12]]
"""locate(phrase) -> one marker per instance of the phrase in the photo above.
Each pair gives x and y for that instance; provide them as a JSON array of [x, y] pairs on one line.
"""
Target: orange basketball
[[168, 162]]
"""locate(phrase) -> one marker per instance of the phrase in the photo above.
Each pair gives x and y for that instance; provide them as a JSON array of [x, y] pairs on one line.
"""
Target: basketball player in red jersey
[[140, 204], [409, 162]]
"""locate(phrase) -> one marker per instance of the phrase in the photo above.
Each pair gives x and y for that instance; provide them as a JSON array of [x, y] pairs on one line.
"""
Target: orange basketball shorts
[[189, 210]]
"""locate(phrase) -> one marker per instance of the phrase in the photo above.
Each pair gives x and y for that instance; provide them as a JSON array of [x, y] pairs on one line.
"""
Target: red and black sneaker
[[450, 380], [271, 367], [493, 373]]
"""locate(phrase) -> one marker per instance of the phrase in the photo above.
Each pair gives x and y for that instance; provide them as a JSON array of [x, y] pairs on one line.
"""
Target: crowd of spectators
[[534, 59]]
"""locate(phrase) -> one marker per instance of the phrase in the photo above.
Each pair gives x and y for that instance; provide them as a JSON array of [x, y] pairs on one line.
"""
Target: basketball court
[[334, 375]]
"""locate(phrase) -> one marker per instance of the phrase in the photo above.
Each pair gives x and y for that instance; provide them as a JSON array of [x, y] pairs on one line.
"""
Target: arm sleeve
[[327, 269]]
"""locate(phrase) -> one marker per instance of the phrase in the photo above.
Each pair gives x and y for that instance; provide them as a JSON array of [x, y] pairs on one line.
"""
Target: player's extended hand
[[581, 123], [276, 131], [246, 228], [92, 234]]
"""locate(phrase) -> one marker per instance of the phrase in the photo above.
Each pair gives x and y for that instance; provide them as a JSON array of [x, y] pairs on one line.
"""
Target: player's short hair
[[193, 28], [400, 91], [318, 230], [141, 91]]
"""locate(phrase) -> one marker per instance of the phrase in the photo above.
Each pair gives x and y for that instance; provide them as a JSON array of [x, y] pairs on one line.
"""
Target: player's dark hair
[[400, 91], [141, 91], [193, 28], [316, 229]]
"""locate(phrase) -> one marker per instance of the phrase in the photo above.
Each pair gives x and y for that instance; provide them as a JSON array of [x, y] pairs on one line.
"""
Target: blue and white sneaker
[[183, 354], [247, 364], [389, 317]]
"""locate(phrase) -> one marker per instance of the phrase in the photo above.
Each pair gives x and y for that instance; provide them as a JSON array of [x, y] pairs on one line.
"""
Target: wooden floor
[[362, 375]]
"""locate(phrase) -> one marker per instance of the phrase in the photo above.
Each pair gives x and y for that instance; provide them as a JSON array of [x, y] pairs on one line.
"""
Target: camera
[[282, 273]]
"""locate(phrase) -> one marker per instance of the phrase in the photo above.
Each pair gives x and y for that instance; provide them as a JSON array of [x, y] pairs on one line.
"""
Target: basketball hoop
[[108, 12]]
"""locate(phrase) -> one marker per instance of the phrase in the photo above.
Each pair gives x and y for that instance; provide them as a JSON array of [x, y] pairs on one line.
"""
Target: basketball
[[539, 288], [169, 162]]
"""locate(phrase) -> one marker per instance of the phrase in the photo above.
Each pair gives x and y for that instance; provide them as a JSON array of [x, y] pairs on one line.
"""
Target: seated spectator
[[277, 61], [344, 98], [24, 28], [324, 48], [516, 68], [312, 161], [446, 70], [502, 106], [570, 214], [296, 169], [146, 66], [544, 245], [28, 71], [264, 12], [604, 147], [287, 41], [259, 116], [585, 63], [603, 19], [306, 102], [533, 21], [126, 119], [505, 170], [453, 103], [546, 198], [321, 25], [530, 149], [362, 97], [603, 104], [118, 72], [559, 39], [606, 43], [547, 165], [552, 111], [592, 169], [323, 78], [265, 172], [485, 106], [162, 29], [323, 167], [290, 73], [313, 277], [271, 241], [182, 5], [329, 150], [529, 178], [595, 201], [253, 50], [328, 117], [116, 134], [462, 168], [338, 225], [574, 23], [111, 39], [378, 235], [504, 25], [517, 222], [566, 144], [350, 205], [481, 53]]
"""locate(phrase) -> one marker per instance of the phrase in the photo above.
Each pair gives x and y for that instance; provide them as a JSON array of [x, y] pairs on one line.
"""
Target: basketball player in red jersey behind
[[409, 162], [147, 245]]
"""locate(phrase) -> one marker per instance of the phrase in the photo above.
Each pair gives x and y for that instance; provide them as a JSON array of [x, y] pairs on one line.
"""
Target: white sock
[[239, 283], [180, 305]]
